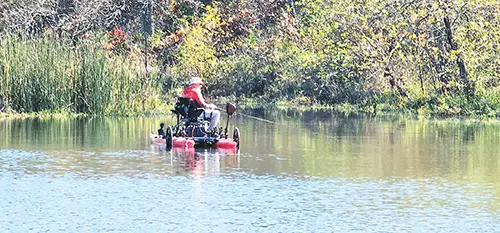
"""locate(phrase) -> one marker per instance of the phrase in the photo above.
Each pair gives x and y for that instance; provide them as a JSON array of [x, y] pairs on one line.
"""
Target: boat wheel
[[169, 135], [236, 137]]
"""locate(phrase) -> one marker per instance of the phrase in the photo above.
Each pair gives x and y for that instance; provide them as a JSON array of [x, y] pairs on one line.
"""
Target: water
[[309, 172]]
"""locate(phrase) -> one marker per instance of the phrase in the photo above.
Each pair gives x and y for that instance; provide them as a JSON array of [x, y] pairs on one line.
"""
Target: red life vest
[[195, 94]]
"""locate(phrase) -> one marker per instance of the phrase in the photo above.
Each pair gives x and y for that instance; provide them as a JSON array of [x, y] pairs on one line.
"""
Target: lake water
[[308, 172]]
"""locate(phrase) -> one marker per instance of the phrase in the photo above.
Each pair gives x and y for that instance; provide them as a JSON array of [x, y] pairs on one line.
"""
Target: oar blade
[[230, 108]]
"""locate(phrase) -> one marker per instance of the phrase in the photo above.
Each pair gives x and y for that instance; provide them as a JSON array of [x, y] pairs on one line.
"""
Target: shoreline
[[344, 109]]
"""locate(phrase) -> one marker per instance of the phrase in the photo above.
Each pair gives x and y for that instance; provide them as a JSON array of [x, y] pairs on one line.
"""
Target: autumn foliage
[[425, 56]]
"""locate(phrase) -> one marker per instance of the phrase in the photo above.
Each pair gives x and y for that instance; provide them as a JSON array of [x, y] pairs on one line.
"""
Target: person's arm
[[199, 99]]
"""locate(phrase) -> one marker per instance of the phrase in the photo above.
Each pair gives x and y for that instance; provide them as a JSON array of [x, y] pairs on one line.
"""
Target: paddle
[[230, 108]]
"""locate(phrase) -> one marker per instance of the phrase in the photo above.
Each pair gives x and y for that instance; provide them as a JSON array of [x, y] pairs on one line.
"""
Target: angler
[[197, 123]]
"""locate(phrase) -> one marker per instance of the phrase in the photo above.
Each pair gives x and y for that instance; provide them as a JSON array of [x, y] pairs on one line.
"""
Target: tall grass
[[53, 75]]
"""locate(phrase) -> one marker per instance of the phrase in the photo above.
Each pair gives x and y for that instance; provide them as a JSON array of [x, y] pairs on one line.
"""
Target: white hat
[[195, 80]]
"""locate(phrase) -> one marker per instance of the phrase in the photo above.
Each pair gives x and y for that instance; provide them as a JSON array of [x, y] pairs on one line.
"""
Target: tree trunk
[[460, 62], [147, 30], [294, 13]]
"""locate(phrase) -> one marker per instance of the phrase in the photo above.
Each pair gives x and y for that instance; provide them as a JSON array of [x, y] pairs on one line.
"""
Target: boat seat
[[188, 109]]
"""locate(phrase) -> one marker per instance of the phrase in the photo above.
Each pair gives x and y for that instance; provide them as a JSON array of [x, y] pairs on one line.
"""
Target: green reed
[[54, 75]]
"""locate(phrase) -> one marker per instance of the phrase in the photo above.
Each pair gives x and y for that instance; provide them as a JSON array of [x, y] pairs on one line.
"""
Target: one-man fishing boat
[[193, 131]]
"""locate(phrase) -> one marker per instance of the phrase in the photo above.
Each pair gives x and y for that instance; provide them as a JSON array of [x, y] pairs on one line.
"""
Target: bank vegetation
[[430, 57]]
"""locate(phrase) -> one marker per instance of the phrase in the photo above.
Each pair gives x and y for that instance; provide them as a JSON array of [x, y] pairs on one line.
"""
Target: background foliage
[[426, 56]]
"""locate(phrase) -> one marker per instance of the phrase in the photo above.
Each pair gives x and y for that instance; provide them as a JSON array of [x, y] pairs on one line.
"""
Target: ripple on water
[[135, 191]]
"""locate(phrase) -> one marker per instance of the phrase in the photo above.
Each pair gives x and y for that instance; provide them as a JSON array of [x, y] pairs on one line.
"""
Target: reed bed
[[55, 75]]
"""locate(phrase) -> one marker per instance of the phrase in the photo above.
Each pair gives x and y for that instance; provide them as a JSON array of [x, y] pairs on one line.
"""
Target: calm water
[[310, 172]]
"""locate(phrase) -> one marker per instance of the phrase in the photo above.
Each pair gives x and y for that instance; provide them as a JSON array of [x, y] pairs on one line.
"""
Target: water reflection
[[307, 143], [92, 165], [315, 143]]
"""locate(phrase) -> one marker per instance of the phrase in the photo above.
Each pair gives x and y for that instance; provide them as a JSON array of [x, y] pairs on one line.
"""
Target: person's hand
[[211, 106]]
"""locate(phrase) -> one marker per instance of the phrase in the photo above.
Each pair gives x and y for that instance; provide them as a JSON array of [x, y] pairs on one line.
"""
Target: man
[[193, 91], [160, 130]]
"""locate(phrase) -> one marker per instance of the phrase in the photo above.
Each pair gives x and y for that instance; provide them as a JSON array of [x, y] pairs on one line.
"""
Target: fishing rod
[[251, 117]]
